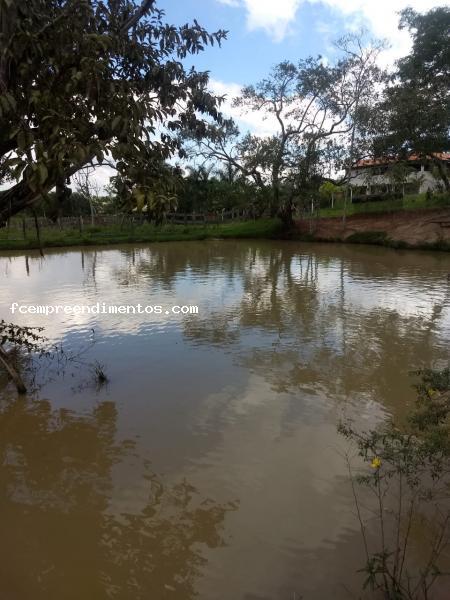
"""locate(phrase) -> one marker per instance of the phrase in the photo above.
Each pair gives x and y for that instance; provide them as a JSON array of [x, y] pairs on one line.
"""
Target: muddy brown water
[[209, 465]]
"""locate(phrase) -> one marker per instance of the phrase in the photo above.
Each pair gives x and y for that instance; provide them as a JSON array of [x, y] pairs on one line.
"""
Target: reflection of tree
[[154, 553], [164, 264], [61, 537], [297, 314], [314, 336], [215, 330], [368, 356]]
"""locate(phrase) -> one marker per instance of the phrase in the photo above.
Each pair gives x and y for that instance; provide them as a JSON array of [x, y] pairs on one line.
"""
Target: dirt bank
[[416, 229]]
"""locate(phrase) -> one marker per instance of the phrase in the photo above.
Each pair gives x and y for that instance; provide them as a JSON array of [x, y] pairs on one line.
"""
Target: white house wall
[[364, 178]]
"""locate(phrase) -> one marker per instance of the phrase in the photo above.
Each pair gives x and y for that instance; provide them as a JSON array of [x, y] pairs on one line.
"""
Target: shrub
[[407, 469]]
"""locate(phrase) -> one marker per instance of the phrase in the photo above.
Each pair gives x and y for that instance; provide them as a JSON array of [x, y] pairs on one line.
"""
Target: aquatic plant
[[407, 468], [14, 337], [99, 373], [23, 350]]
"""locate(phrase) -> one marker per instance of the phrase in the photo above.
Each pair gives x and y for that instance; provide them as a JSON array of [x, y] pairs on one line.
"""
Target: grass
[[413, 202], [13, 239]]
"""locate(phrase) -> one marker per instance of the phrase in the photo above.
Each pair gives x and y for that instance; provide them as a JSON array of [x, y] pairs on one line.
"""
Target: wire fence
[[125, 221]]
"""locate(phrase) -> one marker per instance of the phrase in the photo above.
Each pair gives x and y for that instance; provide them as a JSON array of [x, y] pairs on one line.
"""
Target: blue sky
[[264, 32], [248, 54]]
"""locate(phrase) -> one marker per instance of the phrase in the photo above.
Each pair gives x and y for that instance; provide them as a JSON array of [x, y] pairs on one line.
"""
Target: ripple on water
[[211, 456]]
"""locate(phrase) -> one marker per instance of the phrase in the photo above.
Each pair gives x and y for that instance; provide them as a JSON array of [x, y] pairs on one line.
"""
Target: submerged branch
[[13, 373]]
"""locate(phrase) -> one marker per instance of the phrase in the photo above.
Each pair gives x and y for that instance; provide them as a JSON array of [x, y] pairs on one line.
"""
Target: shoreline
[[413, 230], [421, 229]]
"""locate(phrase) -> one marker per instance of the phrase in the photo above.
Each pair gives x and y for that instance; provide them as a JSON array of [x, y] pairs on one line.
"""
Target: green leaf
[[11, 100], [80, 154], [116, 122], [32, 184], [43, 173], [5, 104], [21, 140]]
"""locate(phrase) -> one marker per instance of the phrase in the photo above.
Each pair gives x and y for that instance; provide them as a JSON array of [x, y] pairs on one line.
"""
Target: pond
[[209, 464]]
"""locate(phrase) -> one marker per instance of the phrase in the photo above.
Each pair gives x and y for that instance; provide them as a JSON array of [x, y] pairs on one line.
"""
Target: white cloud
[[258, 122], [274, 17], [381, 17], [250, 121], [101, 176]]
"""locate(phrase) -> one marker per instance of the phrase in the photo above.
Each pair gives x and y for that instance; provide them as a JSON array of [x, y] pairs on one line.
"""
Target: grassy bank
[[13, 239], [97, 236], [414, 202]]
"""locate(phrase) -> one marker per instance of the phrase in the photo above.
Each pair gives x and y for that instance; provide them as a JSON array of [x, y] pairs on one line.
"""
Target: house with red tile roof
[[412, 175]]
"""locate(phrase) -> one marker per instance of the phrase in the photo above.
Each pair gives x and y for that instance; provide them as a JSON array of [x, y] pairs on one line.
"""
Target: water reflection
[[238, 403], [333, 325], [61, 537]]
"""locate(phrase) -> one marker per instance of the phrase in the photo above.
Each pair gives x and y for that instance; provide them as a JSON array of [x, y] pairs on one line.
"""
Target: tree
[[416, 106], [329, 191], [360, 77], [398, 174], [88, 188], [206, 189], [312, 106], [306, 102], [85, 79], [155, 192]]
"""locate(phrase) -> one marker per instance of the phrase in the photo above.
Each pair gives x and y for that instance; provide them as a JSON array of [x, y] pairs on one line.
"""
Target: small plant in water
[[23, 348], [407, 468], [99, 372]]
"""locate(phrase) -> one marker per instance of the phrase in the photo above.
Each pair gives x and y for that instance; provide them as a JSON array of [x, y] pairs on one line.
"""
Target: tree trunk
[[38, 233], [20, 196], [91, 208], [274, 208], [286, 215]]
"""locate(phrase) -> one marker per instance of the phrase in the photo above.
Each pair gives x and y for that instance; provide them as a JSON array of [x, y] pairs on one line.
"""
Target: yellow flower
[[376, 463]]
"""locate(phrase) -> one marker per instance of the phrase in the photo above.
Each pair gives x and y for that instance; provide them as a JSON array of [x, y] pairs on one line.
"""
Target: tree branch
[[137, 16]]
